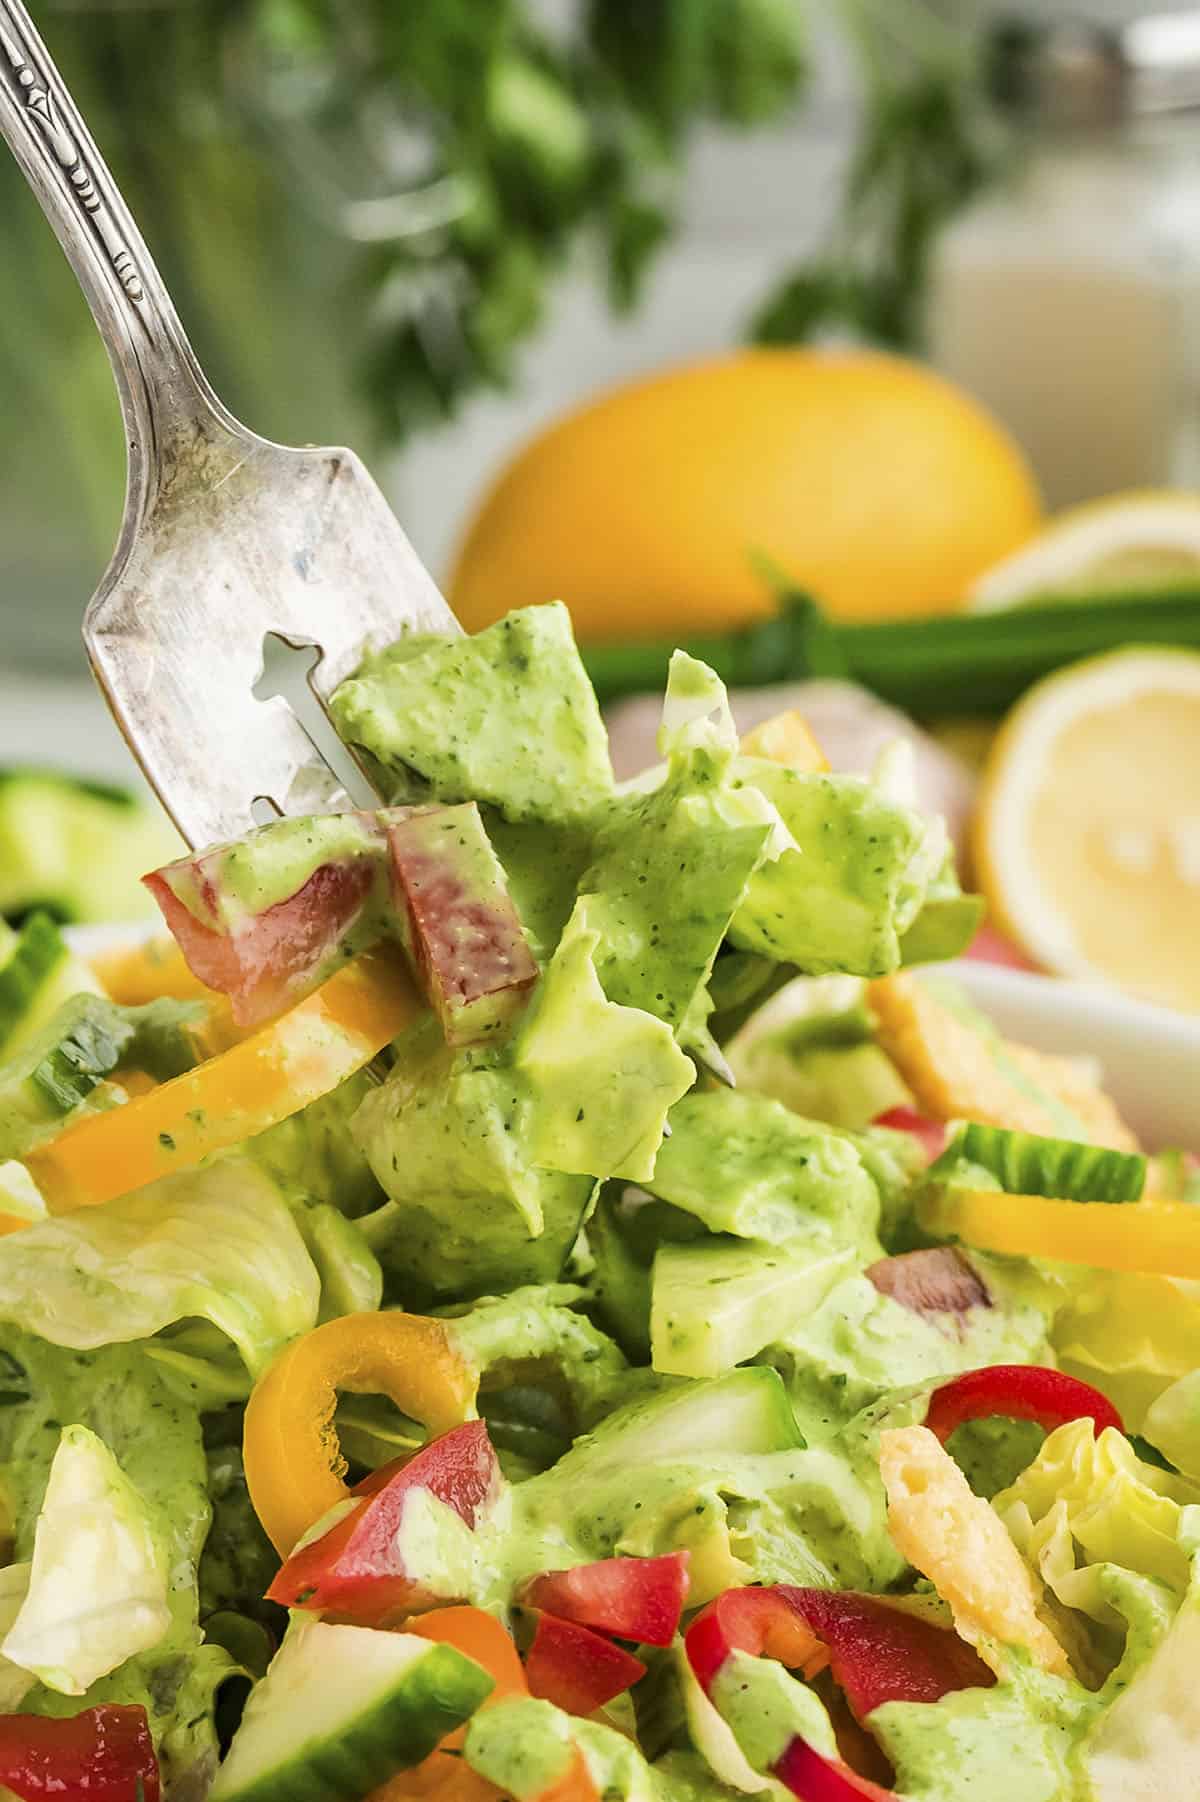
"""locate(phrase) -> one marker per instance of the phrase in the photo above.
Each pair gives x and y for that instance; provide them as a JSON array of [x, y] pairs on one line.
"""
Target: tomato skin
[[576, 1669], [1018, 1392], [276, 955], [356, 1570], [100, 1755], [631, 1598]]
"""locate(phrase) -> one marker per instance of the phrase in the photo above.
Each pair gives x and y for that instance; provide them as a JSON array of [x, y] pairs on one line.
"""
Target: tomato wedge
[[357, 1569], [576, 1669], [265, 960], [266, 1078], [1018, 1392], [101, 1755], [632, 1598]]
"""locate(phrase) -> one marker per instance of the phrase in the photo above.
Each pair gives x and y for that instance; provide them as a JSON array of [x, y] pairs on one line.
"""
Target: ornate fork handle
[[164, 395]]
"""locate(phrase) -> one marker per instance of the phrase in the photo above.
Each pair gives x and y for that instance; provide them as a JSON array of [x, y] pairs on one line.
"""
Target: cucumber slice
[[1062, 1169], [38, 975], [747, 1411], [342, 1709], [78, 1048], [718, 1302]]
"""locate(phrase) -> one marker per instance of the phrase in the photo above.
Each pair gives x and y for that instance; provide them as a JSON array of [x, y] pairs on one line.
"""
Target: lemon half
[[1144, 540], [1087, 833]]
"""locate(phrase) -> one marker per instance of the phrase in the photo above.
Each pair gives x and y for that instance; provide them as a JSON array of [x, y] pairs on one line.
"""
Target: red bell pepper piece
[[357, 1568], [576, 1669], [929, 1134], [633, 1598], [101, 1755], [876, 1653], [815, 1778], [1018, 1392]]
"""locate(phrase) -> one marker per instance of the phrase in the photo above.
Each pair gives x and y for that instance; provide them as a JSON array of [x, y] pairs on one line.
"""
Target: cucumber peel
[[1059, 1169]]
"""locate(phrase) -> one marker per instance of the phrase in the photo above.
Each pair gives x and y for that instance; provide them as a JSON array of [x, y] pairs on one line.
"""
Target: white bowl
[[1150, 1056]]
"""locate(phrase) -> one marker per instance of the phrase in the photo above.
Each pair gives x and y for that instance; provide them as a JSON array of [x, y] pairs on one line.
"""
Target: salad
[[530, 1294]]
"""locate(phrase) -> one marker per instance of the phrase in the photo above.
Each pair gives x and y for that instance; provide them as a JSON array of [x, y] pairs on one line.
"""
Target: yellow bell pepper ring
[[253, 1084], [1156, 1238], [293, 1462]]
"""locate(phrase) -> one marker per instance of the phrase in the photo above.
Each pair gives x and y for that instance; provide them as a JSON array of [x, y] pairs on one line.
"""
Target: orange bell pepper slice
[[294, 1467], [445, 1776], [1156, 1238], [135, 974], [265, 1078], [786, 738]]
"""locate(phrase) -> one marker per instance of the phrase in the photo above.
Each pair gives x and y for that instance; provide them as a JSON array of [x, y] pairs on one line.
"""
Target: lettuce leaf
[[575, 1124], [218, 1243], [852, 879], [155, 1437], [1172, 1424], [1131, 1334], [1103, 1529], [312, 1155], [746, 1165], [97, 1591], [1146, 1745], [507, 718]]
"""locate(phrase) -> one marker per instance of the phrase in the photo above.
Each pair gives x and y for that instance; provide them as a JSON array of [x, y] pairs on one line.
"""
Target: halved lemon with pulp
[[1087, 832], [1142, 541]]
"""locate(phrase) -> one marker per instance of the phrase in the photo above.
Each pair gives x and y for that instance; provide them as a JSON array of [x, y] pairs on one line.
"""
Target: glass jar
[[1069, 300]]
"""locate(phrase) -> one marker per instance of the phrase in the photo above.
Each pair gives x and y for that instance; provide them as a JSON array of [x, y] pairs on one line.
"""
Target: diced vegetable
[[263, 953], [576, 1669], [268, 1077], [103, 1754], [1159, 1238], [444, 1776], [1018, 1392], [37, 974], [937, 1280], [1027, 1164], [814, 1778], [293, 1464], [464, 933], [929, 1134], [632, 1598], [357, 1568], [340, 1709]]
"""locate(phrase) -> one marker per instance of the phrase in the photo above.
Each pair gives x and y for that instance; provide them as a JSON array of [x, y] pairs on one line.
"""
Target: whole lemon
[[872, 482]]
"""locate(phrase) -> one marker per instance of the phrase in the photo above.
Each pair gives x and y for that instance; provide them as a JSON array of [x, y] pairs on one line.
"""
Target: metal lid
[[1079, 75]]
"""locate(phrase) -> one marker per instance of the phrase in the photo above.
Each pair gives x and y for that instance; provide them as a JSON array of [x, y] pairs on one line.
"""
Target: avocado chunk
[[719, 1301]]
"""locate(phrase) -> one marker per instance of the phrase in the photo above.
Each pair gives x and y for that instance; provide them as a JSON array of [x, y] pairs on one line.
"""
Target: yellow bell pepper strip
[[263, 1079], [135, 974], [294, 1466], [786, 738], [1157, 1238]]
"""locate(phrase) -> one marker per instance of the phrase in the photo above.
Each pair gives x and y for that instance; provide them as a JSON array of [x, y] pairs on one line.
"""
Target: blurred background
[[454, 234]]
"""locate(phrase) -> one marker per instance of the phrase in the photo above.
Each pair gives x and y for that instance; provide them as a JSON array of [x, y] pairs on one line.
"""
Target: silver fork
[[226, 538]]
